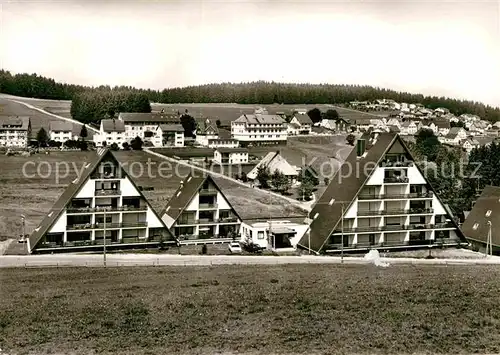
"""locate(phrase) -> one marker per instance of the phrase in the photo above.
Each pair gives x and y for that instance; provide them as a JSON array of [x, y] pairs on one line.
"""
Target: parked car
[[234, 248], [253, 248]]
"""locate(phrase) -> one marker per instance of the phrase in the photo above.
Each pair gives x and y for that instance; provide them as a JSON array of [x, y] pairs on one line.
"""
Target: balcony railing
[[395, 227], [100, 241], [228, 219], [394, 243], [207, 206], [87, 226], [415, 195], [396, 164], [107, 209], [111, 192], [396, 180], [206, 192], [395, 212]]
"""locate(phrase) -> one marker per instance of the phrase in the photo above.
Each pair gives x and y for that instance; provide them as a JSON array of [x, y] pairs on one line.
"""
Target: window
[[488, 213], [260, 235], [475, 226]]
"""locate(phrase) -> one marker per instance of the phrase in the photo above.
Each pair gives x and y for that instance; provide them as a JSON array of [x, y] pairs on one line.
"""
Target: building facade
[[61, 131], [380, 199], [110, 131], [200, 213], [259, 129], [231, 156], [169, 135], [273, 234], [103, 204], [15, 131]]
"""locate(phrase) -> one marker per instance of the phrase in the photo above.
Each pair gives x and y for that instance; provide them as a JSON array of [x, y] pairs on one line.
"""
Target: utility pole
[[489, 247], [342, 233], [104, 240], [309, 231]]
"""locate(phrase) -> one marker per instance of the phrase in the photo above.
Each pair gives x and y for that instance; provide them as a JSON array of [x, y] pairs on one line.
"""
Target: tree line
[[260, 92]]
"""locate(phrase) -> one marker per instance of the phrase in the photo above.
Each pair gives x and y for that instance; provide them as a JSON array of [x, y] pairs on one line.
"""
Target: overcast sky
[[431, 47]]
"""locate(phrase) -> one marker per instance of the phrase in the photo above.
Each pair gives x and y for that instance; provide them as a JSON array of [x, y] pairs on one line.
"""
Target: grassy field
[[290, 309], [38, 119], [34, 194]]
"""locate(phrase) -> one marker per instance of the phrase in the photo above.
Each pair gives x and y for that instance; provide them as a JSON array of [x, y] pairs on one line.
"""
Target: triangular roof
[[72, 190], [345, 187], [185, 194], [489, 201], [273, 161]]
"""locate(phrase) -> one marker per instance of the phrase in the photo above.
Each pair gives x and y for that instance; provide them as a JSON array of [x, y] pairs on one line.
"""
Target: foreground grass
[[251, 309]]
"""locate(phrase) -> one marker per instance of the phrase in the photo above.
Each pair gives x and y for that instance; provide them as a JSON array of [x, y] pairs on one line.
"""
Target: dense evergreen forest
[[33, 85]]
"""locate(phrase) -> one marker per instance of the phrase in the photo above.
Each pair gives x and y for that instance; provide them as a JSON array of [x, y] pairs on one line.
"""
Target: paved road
[[305, 206], [118, 260], [50, 114]]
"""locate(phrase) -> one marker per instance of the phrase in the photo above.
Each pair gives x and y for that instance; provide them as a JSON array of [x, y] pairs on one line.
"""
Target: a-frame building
[[103, 199], [380, 199], [199, 212]]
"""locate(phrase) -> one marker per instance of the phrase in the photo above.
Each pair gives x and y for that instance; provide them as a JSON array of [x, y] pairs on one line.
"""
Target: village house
[[387, 204], [144, 125], [110, 131], [469, 144], [274, 161], [200, 213], [259, 129], [102, 205], [274, 234], [231, 156], [15, 131], [408, 128], [301, 124], [440, 111], [394, 122], [454, 136], [483, 219], [206, 131], [169, 135], [61, 131]]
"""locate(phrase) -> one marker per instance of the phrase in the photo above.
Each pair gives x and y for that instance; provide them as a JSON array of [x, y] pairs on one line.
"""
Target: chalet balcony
[[396, 180], [419, 195], [208, 192], [207, 206], [392, 244], [394, 227], [100, 242], [77, 210], [88, 226], [232, 219], [396, 164], [111, 192], [396, 212]]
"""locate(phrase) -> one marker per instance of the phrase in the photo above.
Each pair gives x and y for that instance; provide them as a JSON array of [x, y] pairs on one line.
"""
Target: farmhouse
[[110, 131], [259, 129], [274, 161], [454, 136], [61, 131], [231, 156], [15, 131], [380, 199], [200, 213], [273, 234], [102, 204], [302, 124], [408, 128], [169, 135], [483, 218], [470, 144]]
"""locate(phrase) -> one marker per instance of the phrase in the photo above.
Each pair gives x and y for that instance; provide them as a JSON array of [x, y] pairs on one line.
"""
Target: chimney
[[360, 147]]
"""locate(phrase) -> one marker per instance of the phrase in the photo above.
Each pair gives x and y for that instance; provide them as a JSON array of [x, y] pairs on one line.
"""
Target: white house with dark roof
[[469, 144], [455, 136], [169, 135], [380, 199], [144, 125], [274, 161], [205, 132], [15, 131], [409, 128], [300, 124], [231, 155], [259, 128], [200, 213], [61, 131], [111, 131], [103, 205]]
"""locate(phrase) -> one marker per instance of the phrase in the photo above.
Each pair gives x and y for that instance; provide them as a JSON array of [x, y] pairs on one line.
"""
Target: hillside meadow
[[288, 309]]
